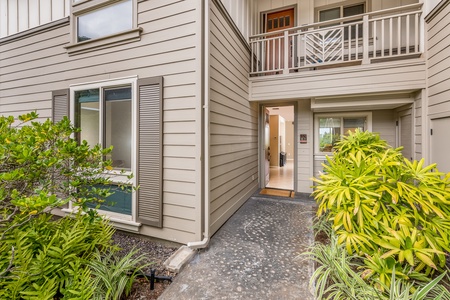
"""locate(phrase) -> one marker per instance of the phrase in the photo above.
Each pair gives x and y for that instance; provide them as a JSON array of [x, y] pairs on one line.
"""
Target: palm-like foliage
[[383, 207], [114, 276]]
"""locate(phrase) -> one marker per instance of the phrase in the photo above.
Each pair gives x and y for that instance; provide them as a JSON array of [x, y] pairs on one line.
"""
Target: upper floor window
[[341, 12], [348, 9], [101, 24], [105, 21]]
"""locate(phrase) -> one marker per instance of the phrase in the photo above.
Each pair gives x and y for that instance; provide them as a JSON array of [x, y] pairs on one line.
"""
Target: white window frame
[[362, 114], [81, 7], [341, 6], [117, 175]]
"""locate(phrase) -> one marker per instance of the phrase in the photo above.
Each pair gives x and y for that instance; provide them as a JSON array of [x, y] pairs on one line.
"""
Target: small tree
[[393, 212], [41, 168]]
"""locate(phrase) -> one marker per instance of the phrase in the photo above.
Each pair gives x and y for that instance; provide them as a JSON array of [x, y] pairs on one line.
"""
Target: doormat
[[279, 193]]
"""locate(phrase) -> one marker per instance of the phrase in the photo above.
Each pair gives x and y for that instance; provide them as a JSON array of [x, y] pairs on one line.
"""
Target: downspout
[[205, 101]]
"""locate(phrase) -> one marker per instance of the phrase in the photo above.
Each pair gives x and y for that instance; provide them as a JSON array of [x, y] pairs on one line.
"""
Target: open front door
[[266, 147], [278, 147]]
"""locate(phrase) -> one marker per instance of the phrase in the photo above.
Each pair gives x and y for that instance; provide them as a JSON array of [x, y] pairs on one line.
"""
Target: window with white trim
[[105, 113], [104, 21], [331, 127], [99, 24], [346, 9]]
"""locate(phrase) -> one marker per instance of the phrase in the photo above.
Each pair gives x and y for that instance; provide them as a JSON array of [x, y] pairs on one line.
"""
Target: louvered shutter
[[60, 108], [60, 105], [150, 141]]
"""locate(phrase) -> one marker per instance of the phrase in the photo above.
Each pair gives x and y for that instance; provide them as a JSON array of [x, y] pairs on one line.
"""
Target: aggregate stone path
[[254, 255]]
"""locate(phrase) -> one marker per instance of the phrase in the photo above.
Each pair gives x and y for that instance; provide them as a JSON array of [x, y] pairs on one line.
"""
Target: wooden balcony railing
[[362, 39]]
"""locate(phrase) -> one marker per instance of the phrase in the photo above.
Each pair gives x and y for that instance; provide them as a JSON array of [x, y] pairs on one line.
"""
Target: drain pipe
[[205, 82]]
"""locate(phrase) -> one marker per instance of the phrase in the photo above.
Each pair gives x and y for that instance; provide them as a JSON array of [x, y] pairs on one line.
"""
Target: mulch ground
[[156, 252]]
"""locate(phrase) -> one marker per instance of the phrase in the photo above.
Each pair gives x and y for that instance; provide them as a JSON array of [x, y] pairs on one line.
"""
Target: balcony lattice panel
[[324, 46]]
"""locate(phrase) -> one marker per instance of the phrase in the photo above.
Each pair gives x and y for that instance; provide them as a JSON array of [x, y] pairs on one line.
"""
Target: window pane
[[353, 10], [105, 21], [329, 14], [269, 24], [329, 133], [88, 115], [118, 125], [351, 124], [275, 23], [287, 21], [119, 202], [282, 22]]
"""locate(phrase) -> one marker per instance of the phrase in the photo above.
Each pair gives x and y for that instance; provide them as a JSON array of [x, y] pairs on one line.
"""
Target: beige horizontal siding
[[438, 43], [33, 66], [383, 122], [418, 121], [406, 75], [233, 122]]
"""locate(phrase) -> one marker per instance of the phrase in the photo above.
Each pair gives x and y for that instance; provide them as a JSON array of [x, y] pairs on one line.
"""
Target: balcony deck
[[380, 36]]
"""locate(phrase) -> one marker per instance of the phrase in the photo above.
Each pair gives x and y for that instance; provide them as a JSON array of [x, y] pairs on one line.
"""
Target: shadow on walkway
[[254, 255]]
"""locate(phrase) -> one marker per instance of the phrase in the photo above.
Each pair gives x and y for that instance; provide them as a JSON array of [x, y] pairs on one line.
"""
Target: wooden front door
[[276, 21]]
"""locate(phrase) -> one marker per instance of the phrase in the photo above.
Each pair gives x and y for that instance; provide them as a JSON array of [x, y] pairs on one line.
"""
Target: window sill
[[120, 38], [122, 222]]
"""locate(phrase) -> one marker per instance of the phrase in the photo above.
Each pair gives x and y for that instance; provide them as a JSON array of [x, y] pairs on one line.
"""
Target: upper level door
[[280, 20], [275, 21]]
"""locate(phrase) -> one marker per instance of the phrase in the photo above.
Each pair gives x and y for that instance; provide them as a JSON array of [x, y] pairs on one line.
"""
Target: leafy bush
[[41, 168], [114, 276], [392, 212], [336, 277]]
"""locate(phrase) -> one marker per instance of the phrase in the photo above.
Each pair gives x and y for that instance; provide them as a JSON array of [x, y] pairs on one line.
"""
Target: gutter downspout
[[205, 99]]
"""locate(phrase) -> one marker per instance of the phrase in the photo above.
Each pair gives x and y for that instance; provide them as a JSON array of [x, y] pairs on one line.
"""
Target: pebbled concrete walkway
[[253, 255]]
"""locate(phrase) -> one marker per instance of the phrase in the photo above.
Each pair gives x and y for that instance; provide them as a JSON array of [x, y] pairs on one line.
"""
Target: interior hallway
[[282, 177]]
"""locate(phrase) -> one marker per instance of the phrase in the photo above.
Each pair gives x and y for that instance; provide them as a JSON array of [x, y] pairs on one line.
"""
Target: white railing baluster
[[390, 36], [375, 38], [399, 35], [265, 56], [357, 42], [286, 52], [416, 33], [366, 39], [408, 24], [274, 57], [382, 38]]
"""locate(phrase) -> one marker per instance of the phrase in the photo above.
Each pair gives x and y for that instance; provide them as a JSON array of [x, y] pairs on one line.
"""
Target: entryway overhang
[[362, 102]]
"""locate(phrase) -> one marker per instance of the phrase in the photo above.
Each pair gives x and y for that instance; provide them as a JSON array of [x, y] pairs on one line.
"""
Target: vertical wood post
[[286, 52], [366, 40]]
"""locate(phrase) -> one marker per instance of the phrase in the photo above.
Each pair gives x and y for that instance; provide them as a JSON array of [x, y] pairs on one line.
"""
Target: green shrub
[[393, 212], [41, 168], [115, 276]]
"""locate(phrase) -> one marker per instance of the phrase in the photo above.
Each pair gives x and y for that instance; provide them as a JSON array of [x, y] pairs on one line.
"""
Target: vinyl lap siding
[[438, 36], [34, 66], [375, 78], [383, 122], [418, 125], [233, 122]]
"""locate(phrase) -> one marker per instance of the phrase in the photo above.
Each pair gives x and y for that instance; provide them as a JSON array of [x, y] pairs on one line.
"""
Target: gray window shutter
[[60, 108], [150, 141], [60, 105]]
